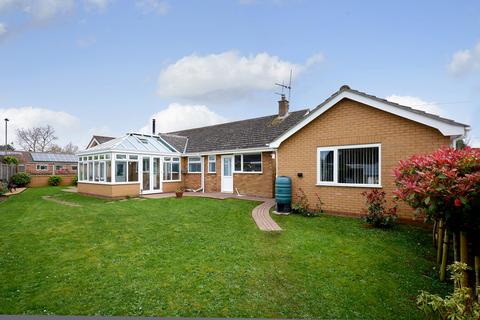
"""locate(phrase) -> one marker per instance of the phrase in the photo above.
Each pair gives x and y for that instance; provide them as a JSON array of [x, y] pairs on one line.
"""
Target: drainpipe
[[276, 163], [202, 167]]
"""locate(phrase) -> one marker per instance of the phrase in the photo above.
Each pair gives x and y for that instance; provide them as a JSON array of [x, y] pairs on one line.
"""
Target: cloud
[[417, 103], [226, 75], [179, 117], [3, 29], [465, 61], [159, 7], [65, 124]]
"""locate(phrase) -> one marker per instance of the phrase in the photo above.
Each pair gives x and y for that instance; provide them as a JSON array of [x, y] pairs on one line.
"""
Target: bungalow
[[348, 144]]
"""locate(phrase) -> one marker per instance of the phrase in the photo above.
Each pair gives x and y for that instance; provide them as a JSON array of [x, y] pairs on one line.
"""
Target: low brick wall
[[110, 190], [42, 180]]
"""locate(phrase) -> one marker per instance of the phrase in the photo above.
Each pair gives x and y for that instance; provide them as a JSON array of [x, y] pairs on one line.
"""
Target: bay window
[[194, 164], [251, 162], [349, 165]]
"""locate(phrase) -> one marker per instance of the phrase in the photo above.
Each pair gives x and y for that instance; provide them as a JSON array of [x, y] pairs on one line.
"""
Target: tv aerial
[[285, 87]]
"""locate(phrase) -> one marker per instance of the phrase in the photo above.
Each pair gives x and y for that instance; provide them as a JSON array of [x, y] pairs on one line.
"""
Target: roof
[[446, 126], [99, 140], [245, 134], [134, 142], [53, 157], [396, 105], [178, 142]]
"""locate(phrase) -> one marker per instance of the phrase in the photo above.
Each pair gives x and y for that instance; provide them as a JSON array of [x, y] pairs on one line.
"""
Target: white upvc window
[[194, 164], [352, 166], [248, 163], [171, 169], [42, 167], [212, 165]]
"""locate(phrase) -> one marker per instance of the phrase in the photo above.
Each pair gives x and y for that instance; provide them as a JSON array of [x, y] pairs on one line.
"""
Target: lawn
[[202, 258]]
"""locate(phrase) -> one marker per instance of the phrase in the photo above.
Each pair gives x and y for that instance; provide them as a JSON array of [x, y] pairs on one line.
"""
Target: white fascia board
[[146, 153], [445, 128]]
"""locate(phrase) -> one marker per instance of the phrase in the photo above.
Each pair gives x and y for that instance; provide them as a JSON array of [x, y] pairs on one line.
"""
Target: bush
[[54, 180], [20, 179], [377, 213], [74, 181], [302, 207], [459, 305], [10, 160], [3, 188]]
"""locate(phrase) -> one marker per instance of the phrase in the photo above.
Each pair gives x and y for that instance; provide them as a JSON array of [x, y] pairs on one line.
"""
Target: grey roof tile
[[245, 134]]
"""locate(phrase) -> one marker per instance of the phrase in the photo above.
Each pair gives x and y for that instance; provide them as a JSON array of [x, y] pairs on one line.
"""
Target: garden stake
[[455, 245], [443, 267], [434, 234], [439, 242], [464, 255]]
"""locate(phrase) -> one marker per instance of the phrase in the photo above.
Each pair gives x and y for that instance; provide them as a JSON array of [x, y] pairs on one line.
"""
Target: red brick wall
[[349, 123], [31, 168]]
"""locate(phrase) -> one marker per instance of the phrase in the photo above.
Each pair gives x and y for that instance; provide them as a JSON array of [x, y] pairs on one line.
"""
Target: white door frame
[[151, 174], [222, 177]]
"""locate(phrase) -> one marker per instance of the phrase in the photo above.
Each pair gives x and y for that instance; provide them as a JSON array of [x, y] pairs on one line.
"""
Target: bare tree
[[55, 148], [37, 139], [70, 148]]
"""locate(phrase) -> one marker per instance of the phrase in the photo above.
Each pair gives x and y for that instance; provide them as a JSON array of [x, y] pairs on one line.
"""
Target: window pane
[[175, 176], [176, 167], [211, 158], [102, 171], [326, 165], [90, 171], [167, 171], [194, 167], [132, 171], [85, 172], [211, 167], [252, 162], [96, 170], [193, 159], [80, 172], [238, 162], [121, 156], [359, 165], [120, 171], [108, 166]]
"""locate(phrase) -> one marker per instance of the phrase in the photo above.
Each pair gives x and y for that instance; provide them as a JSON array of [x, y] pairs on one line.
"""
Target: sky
[[108, 67]]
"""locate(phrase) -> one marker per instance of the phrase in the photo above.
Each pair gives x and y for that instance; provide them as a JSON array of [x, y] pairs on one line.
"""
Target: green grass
[[203, 257]]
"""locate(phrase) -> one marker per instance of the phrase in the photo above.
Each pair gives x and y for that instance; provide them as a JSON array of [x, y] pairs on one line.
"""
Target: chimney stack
[[153, 126], [282, 107]]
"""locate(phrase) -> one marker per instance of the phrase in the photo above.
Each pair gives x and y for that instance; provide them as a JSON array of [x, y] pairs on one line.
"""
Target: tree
[[69, 148], [445, 186], [37, 139]]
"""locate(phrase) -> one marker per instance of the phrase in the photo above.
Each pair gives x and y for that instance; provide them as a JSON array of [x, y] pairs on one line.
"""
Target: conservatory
[[128, 166]]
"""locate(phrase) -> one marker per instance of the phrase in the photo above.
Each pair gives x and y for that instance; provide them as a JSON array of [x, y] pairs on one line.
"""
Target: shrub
[[302, 207], [74, 181], [377, 213], [20, 179], [459, 305], [10, 160], [3, 188], [54, 180]]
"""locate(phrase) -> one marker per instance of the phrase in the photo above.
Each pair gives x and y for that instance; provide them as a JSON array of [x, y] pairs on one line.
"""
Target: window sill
[[193, 172], [348, 185], [248, 172], [168, 181]]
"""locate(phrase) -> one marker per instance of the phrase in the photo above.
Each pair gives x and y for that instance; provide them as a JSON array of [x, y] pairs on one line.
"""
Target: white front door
[[227, 174]]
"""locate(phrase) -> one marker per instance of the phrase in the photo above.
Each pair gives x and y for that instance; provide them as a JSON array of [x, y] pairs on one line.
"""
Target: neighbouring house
[[41, 165], [348, 144], [96, 140]]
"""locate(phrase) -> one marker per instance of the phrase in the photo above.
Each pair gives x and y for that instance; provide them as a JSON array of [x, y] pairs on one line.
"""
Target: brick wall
[[109, 190], [42, 180], [260, 184], [347, 123], [257, 184], [31, 168]]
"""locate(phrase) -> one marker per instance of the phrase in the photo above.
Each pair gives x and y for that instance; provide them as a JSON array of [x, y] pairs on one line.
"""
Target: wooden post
[[464, 256], [443, 266], [439, 242]]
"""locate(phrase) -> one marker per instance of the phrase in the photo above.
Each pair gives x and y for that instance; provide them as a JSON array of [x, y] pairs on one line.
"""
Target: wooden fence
[[6, 171]]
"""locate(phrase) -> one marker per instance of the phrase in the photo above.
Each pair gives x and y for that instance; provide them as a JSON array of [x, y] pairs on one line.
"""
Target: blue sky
[[107, 67]]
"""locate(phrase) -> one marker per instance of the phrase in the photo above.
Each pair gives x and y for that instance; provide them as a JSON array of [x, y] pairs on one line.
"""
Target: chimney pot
[[153, 126], [282, 107]]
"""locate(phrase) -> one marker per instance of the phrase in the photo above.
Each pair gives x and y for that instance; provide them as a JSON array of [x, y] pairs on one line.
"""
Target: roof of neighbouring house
[[178, 142], [53, 157], [99, 140], [133, 142], [245, 134]]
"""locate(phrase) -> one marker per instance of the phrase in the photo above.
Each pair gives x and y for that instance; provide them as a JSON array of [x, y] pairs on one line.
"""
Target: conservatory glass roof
[[133, 142]]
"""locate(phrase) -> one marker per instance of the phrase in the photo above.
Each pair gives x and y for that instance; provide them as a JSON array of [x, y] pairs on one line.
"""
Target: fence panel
[[6, 171]]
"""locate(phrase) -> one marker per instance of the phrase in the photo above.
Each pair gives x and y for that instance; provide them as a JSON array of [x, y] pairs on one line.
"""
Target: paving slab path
[[260, 214]]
